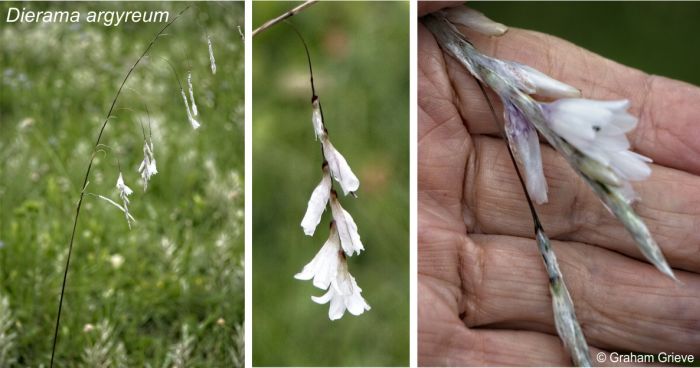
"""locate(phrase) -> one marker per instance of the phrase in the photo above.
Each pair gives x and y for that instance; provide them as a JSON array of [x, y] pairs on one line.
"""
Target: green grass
[[183, 258], [360, 54]]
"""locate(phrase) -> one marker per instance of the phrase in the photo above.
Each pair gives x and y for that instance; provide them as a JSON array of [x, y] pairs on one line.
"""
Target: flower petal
[[317, 204], [340, 170], [323, 268], [347, 229]]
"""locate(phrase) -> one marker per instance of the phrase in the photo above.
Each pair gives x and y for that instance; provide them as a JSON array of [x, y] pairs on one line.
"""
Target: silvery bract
[[124, 193], [324, 267], [475, 20], [317, 203], [317, 120], [148, 165], [340, 170], [347, 229], [343, 294], [525, 144]]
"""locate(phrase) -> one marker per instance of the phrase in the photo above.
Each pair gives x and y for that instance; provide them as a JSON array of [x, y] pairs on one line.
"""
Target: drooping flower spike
[[329, 269]]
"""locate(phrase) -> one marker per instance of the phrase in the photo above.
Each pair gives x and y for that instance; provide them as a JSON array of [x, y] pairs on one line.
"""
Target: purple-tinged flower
[[525, 144]]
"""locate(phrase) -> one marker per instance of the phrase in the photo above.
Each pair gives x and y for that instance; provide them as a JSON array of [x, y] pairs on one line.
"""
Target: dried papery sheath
[[195, 124], [565, 320], [340, 170], [324, 267], [343, 294], [475, 20], [317, 203], [317, 120], [525, 144], [347, 229], [189, 86], [148, 165], [212, 61], [124, 193]]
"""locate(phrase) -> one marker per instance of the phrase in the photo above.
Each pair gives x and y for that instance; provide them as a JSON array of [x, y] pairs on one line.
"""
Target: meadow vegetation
[[168, 292]]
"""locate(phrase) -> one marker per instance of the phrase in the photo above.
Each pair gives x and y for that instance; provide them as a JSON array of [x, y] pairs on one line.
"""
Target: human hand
[[483, 291]]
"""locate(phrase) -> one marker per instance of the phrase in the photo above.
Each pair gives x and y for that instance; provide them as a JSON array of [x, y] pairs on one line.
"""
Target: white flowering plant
[[329, 268]]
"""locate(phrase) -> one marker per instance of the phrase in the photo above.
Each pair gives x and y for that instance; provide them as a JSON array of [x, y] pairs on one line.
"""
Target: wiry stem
[[284, 16], [87, 175]]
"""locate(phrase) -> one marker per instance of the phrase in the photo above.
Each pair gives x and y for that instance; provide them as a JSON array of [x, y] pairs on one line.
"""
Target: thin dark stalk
[[87, 175], [284, 16]]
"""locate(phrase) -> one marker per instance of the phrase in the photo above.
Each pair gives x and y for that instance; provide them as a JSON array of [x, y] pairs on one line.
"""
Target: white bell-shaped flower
[[597, 128], [347, 229], [324, 267], [343, 294], [317, 203], [340, 170]]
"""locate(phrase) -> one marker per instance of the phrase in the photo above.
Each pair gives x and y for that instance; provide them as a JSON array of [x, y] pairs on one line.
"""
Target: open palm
[[483, 291]]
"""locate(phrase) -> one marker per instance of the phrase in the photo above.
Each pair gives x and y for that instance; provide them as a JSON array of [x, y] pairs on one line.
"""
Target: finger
[[670, 205], [621, 303], [443, 142], [668, 110]]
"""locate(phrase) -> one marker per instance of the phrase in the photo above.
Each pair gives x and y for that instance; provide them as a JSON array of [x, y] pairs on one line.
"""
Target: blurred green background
[[360, 55], [656, 37], [177, 298]]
